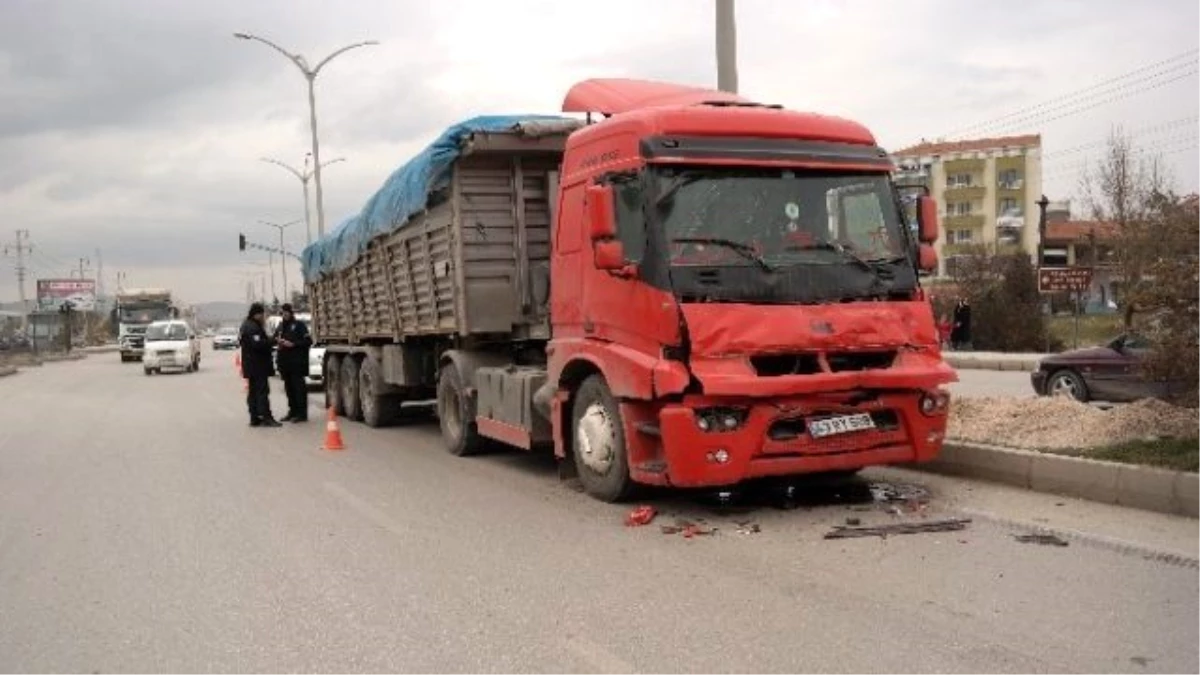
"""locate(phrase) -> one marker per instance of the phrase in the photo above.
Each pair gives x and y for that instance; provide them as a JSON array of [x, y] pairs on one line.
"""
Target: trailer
[[517, 272]]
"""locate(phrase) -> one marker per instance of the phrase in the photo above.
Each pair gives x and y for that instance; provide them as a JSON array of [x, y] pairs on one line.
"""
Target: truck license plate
[[844, 424]]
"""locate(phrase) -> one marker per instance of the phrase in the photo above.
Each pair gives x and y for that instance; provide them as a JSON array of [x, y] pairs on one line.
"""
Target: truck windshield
[[136, 314], [165, 332], [774, 235], [787, 217]]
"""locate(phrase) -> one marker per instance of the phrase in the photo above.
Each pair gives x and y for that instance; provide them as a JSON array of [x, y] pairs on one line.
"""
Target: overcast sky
[[134, 126]]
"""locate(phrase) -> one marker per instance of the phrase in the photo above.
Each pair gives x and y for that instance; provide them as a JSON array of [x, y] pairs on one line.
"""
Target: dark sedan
[[1110, 372]]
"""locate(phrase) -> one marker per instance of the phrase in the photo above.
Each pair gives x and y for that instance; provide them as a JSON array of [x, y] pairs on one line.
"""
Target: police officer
[[293, 340], [257, 367]]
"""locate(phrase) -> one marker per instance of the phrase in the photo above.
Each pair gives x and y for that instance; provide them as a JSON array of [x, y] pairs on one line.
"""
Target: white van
[[171, 344]]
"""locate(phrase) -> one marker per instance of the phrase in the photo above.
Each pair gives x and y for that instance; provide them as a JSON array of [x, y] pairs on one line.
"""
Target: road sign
[[1064, 279]]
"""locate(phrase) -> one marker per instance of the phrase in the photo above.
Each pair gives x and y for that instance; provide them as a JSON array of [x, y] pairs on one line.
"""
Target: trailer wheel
[[598, 442], [333, 384], [378, 410], [456, 415], [351, 402]]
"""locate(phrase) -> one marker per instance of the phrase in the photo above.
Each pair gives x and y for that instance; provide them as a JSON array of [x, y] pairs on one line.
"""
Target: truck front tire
[[598, 442], [456, 415]]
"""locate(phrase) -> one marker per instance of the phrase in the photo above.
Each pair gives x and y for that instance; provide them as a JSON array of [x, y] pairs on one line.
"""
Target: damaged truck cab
[[694, 291]]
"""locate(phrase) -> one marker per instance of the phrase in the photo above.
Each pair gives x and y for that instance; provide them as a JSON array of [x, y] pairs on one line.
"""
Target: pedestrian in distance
[[257, 366], [960, 336], [292, 341]]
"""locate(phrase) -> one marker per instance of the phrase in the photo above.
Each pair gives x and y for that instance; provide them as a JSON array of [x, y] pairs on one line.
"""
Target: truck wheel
[[598, 442], [456, 416], [333, 384], [350, 393], [147, 371], [378, 410]]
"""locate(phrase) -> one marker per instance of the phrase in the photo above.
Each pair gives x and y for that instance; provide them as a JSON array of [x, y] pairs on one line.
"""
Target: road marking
[[365, 509], [1120, 546], [597, 658]]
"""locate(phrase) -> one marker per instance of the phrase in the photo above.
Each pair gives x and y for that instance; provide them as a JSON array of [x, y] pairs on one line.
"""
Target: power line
[[1075, 94], [1144, 131]]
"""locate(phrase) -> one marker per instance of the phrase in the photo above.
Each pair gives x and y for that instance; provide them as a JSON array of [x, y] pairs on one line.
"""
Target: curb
[[5, 371], [1141, 487], [1016, 364]]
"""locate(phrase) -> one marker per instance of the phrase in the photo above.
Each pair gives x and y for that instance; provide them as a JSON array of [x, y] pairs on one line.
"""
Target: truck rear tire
[[598, 442], [333, 384], [456, 416], [350, 392], [378, 410]]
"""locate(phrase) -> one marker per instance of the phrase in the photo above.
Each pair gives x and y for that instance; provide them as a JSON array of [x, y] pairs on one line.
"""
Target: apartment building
[[987, 190]]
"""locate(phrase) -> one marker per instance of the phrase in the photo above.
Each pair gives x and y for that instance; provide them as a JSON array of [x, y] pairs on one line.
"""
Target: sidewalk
[[1020, 362]]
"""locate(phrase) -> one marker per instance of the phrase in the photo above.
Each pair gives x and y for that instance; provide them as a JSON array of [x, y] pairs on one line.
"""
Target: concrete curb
[[1151, 489], [1016, 363], [102, 349], [73, 356], [5, 371]]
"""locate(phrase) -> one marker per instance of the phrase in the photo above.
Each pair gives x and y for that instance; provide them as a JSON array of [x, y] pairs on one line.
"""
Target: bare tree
[[1121, 189]]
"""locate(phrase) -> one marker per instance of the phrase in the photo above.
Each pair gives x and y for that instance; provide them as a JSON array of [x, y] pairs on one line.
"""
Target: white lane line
[[597, 658]]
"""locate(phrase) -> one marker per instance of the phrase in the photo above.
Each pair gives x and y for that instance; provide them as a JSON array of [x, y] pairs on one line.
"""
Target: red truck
[[693, 290]]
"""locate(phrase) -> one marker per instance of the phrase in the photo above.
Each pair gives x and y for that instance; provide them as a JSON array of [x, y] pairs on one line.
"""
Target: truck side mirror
[[602, 222], [927, 219], [927, 260]]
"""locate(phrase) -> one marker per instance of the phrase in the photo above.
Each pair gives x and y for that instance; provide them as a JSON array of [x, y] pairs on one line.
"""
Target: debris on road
[[898, 492], [748, 528], [688, 529], [1058, 423], [884, 531], [641, 515], [854, 521], [1043, 539]]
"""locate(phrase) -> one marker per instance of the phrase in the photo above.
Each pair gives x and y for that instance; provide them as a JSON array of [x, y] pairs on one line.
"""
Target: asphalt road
[[977, 383], [145, 527]]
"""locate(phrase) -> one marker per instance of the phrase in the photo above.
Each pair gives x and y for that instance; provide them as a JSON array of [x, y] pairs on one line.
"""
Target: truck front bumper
[[774, 437]]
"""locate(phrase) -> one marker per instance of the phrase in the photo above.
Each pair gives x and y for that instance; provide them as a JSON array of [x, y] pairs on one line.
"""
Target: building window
[[1009, 206], [958, 180], [1010, 179], [958, 208], [961, 236]]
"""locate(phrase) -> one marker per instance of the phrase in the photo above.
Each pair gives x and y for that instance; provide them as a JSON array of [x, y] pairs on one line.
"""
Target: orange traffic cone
[[333, 433]]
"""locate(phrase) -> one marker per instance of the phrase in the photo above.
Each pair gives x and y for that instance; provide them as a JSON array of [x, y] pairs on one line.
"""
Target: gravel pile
[[1059, 423]]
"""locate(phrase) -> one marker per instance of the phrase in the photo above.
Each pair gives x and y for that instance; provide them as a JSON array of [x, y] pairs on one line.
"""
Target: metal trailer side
[[463, 281]]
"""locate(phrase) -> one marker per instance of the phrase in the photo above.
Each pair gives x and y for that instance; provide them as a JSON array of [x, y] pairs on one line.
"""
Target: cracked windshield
[[686, 336]]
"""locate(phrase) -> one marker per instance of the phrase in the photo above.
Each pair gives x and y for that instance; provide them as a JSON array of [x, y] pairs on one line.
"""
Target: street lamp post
[[726, 34], [303, 176], [282, 255], [310, 74]]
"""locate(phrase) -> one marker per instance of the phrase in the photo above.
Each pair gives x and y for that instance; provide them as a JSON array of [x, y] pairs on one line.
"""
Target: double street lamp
[[310, 74], [303, 176]]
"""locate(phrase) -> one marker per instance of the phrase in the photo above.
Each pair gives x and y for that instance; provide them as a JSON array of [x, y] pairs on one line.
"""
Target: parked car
[[226, 338], [171, 344], [1110, 372]]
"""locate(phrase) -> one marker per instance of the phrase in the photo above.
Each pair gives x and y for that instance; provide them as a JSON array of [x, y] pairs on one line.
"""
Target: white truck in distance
[[136, 309]]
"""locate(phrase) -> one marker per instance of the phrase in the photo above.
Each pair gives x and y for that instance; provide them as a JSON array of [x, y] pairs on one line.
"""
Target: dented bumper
[[680, 444]]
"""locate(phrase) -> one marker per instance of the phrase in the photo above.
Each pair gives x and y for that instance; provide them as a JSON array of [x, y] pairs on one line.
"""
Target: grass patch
[[1177, 454], [1094, 329]]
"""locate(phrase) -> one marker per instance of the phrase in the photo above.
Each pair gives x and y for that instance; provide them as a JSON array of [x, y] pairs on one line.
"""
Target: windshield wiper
[[846, 253], [745, 250]]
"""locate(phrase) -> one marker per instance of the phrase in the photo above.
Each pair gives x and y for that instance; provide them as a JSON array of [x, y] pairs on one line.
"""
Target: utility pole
[[99, 275], [19, 250], [303, 177], [282, 257], [727, 77], [310, 74]]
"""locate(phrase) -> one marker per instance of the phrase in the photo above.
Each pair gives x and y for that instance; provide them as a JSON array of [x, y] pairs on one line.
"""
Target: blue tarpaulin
[[404, 194]]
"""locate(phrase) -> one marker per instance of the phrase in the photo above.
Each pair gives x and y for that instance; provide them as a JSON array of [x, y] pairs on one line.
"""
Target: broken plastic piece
[[641, 515], [949, 525], [1043, 539]]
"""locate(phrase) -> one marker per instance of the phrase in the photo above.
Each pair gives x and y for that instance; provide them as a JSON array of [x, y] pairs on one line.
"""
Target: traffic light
[[241, 242]]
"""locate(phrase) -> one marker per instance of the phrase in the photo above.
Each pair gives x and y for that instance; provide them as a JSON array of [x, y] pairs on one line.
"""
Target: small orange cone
[[333, 433]]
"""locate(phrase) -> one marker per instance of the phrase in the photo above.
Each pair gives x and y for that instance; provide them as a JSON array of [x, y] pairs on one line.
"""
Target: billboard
[[52, 293]]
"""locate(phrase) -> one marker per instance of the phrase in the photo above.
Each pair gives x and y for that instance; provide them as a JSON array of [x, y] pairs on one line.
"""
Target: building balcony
[[954, 193], [1011, 185], [963, 248], [972, 220]]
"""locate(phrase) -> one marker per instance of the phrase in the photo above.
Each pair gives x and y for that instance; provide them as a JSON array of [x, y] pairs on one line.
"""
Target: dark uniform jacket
[[256, 350], [294, 358]]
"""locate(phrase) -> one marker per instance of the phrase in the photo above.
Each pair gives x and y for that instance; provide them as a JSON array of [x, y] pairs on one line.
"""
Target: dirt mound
[[1059, 423]]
